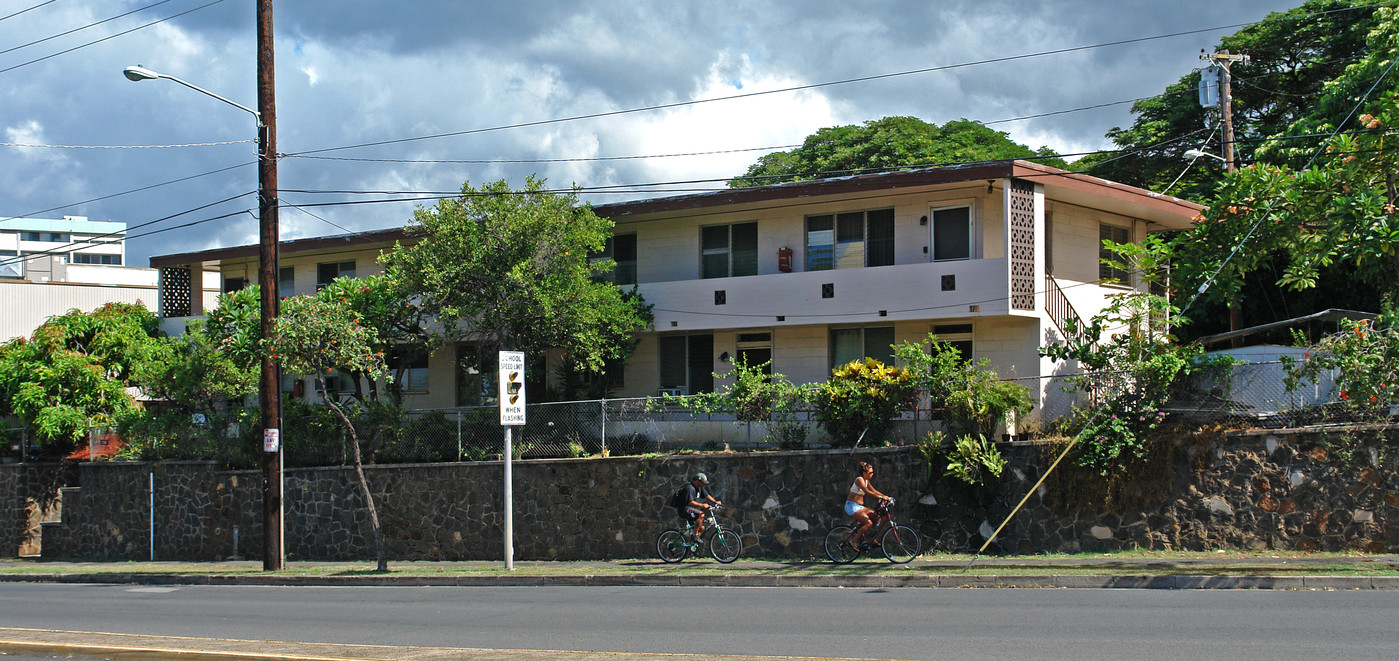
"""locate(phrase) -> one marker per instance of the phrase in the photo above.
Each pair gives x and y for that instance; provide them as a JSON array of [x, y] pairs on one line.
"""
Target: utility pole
[[269, 386], [1222, 60], [1226, 111]]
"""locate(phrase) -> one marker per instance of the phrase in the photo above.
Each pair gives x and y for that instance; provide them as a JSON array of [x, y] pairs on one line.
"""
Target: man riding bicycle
[[695, 509]]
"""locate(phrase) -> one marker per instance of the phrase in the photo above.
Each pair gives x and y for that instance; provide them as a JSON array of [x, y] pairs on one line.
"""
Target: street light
[[139, 73], [269, 386], [1193, 154]]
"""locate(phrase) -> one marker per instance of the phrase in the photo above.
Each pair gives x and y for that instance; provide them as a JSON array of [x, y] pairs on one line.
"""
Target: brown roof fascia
[[813, 188], [286, 247], [1085, 183]]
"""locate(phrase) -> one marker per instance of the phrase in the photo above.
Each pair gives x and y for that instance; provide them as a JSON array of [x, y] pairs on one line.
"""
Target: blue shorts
[[851, 507]]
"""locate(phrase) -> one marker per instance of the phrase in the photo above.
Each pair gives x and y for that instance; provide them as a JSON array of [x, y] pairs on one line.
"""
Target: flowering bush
[[1128, 374], [861, 399], [1364, 360]]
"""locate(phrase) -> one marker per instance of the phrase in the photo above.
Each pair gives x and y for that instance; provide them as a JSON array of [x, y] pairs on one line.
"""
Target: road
[[907, 623]]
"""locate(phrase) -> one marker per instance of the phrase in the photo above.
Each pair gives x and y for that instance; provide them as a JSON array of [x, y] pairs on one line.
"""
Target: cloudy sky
[[418, 96]]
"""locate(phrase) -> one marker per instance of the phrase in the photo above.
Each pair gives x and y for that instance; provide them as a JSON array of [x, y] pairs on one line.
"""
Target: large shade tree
[[1338, 210], [73, 373], [1292, 55], [509, 269], [885, 144]]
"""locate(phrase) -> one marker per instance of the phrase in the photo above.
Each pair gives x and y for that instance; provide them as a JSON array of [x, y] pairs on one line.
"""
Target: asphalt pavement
[[1225, 571]]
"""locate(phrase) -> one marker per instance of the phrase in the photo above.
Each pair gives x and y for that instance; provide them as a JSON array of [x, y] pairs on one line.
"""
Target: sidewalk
[[1198, 571], [1202, 571]]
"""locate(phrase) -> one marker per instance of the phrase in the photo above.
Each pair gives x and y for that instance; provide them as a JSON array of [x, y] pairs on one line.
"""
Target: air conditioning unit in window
[[673, 392]]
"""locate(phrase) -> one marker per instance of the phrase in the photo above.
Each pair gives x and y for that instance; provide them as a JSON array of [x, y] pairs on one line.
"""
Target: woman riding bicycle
[[855, 500]]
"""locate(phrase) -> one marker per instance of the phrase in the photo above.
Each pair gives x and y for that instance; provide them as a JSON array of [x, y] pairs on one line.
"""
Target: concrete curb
[[771, 579]]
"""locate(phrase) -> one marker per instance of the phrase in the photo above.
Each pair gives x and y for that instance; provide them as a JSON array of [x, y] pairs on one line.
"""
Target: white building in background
[[48, 267]]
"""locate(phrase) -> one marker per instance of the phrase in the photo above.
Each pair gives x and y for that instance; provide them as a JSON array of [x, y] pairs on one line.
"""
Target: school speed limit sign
[[512, 388]]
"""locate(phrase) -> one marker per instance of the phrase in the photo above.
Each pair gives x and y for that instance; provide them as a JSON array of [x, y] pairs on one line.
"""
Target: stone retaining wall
[[28, 495], [1266, 490]]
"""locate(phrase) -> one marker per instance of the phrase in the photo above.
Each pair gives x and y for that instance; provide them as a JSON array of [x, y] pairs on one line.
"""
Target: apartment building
[[991, 256]]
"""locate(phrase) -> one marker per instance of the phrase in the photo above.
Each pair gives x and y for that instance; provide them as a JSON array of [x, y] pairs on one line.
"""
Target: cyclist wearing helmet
[[855, 500], [696, 508]]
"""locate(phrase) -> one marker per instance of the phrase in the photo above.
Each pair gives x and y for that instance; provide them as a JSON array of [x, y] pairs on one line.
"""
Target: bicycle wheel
[[837, 549], [725, 546], [671, 546], [900, 544]]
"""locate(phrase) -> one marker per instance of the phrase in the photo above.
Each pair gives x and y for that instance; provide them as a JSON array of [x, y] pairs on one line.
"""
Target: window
[[850, 240], [952, 233], [687, 363], [325, 273], [338, 382], [755, 349], [1108, 274], [414, 373], [292, 386], [957, 335], [849, 344], [89, 258], [286, 281], [476, 377], [231, 285], [622, 250], [729, 250], [50, 237], [9, 266]]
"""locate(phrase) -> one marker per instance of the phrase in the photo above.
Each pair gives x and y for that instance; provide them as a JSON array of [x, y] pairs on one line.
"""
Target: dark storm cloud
[[359, 71]]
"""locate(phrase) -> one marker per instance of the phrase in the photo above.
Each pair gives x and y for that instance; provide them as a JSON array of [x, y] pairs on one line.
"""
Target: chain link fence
[[1242, 395], [14, 443]]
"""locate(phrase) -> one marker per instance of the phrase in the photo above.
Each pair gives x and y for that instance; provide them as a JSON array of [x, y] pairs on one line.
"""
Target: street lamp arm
[[1193, 154], [139, 73]]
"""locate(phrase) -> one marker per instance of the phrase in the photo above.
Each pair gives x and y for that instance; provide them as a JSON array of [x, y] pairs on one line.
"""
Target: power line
[[46, 2], [795, 88], [192, 144], [73, 246], [683, 154], [1316, 153], [32, 214], [109, 37], [89, 25]]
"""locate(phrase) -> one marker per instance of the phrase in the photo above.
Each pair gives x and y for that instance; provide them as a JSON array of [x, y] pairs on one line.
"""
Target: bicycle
[[900, 543], [724, 545]]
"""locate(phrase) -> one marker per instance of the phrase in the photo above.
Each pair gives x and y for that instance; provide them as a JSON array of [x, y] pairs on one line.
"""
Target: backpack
[[678, 499]]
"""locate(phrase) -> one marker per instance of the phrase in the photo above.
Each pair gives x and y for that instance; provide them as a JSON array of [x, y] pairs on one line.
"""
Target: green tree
[[235, 326], [509, 269], [890, 143], [194, 373], [72, 374], [1337, 211], [404, 334], [312, 335], [1292, 56], [1127, 365]]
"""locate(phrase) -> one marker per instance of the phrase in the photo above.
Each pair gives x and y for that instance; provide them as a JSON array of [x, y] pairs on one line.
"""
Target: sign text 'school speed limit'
[[512, 387]]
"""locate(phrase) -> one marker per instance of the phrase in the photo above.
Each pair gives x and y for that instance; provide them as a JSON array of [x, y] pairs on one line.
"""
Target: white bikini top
[[855, 488]]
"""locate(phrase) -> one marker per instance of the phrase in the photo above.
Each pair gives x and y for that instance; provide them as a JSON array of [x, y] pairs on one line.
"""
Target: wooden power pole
[[1222, 60], [269, 386]]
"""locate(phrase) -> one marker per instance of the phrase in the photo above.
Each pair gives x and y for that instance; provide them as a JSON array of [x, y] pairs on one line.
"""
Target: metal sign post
[[512, 414]]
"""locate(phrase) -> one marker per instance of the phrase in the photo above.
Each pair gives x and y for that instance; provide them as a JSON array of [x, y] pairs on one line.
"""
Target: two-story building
[[991, 256]]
